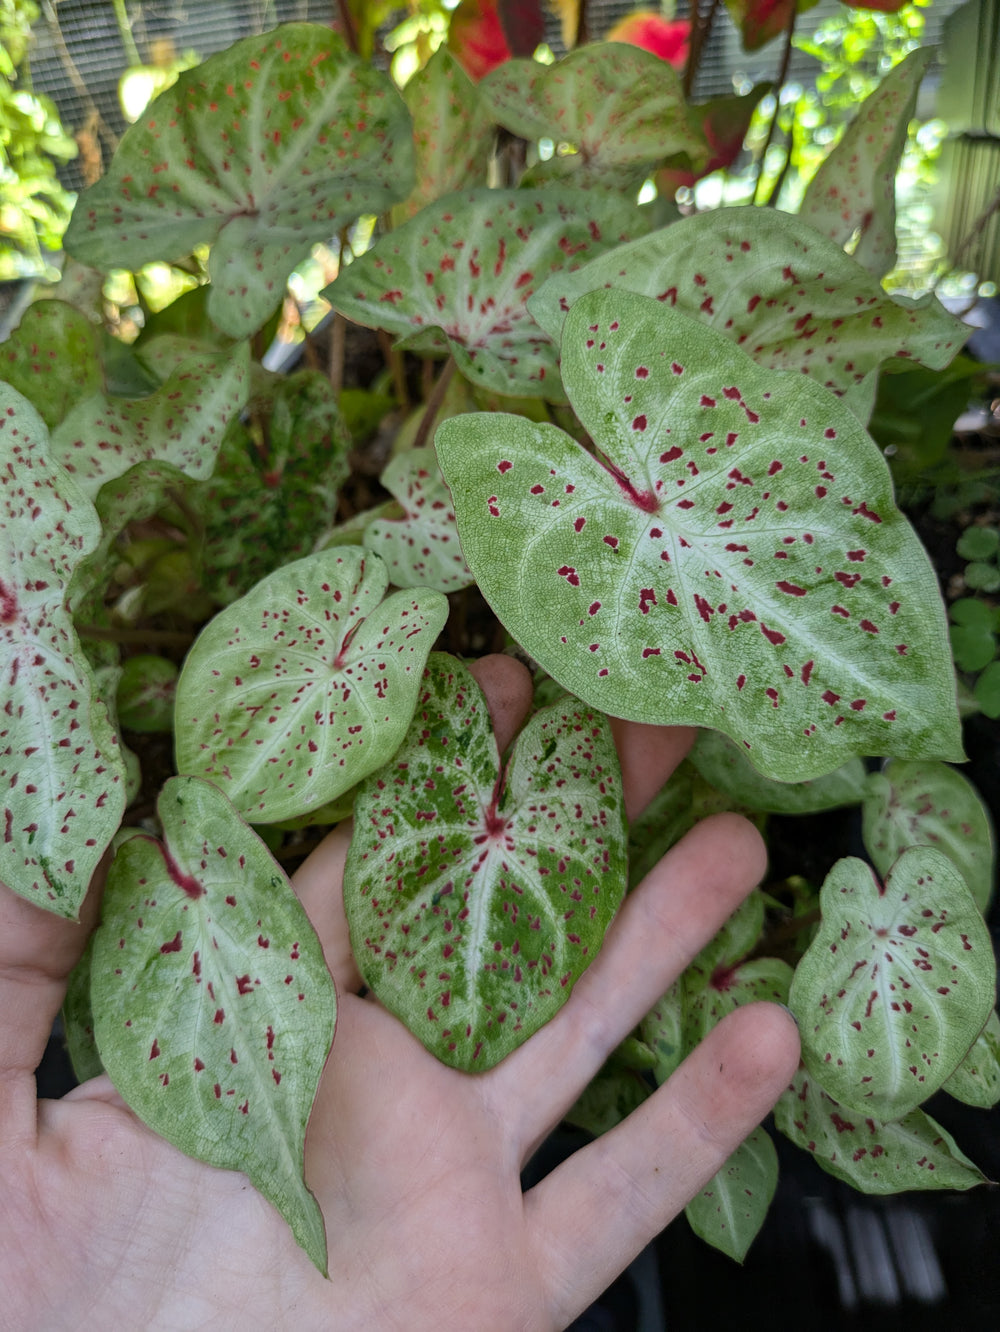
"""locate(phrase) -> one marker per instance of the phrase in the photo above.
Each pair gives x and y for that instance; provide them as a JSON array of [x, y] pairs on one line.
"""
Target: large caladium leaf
[[464, 269], [976, 1081], [789, 297], [878, 1157], [51, 357], [477, 895], [271, 145], [897, 984], [61, 772], [731, 557], [182, 423], [614, 111], [421, 546], [929, 804], [854, 190], [213, 1007], [305, 685], [724, 763], [730, 1209]]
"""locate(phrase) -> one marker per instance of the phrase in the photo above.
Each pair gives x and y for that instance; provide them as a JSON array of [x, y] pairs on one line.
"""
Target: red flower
[[654, 33]]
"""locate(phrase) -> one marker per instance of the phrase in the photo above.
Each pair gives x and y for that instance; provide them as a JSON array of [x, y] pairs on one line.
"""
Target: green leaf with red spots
[[61, 771], [854, 191], [459, 276], [421, 546], [730, 1209], [976, 1081], [213, 1007], [790, 298], [879, 1157], [266, 148], [896, 985], [51, 357], [930, 804], [729, 556], [477, 894], [305, 685], [725, 765], [614, 112]]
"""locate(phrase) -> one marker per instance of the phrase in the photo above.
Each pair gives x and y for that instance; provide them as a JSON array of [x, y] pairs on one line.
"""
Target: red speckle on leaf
[[671, 454], [792, 589], [154, 1052], [174, 945], [504, 466]]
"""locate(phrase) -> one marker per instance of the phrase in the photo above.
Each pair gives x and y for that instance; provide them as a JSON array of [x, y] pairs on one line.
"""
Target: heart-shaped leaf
[[725, 765], [61, 771], [213, 1007], [476, 897], [732, 557], [909, 1153], [730, 1209], [854, 190], [305, 685], [465, 268], [929, 804], [421, 547], [267, 147], [976, 1081], [896, 985], [612, 110], [790, 298], [51, 357]]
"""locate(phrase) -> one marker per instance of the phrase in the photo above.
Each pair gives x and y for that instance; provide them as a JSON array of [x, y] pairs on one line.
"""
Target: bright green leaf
[[987, 690], [51, 357], [724, 764], [978, 543]]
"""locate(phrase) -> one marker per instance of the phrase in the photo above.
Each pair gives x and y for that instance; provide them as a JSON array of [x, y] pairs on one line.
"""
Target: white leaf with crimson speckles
[[421, 548], [477, 895], [725, 765], [896, 985], [729, 556], [213, 1007], [730, 1209], [976, 1081]]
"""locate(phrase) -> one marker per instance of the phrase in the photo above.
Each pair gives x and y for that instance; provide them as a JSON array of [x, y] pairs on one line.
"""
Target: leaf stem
[[700, 30], [786, 56], [434, 404], [125, 33]]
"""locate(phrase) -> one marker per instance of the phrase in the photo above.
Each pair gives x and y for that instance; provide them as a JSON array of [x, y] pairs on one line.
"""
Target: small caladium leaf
[[476, 896], [269, 144], [420, 548], [929, 804], [78, 1020], [453, 132], [730, 1209], [213, 1007], [896, 985], [725, 765], [608, 1099], [61, 771], [662, 1030], [305, 685], [724, 123], [976, 1081], [731, 557], [913, 1152], [146, 692], [854, 190], [790, 298], [465, 268], [51, 357], [613, 110]]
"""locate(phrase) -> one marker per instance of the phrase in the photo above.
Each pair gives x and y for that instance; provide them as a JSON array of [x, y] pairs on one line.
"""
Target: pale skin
[[416, 1167]]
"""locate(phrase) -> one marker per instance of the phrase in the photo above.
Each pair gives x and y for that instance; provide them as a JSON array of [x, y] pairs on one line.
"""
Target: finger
[[320, 881], [592, 1215], [648, 756], [663, 924]]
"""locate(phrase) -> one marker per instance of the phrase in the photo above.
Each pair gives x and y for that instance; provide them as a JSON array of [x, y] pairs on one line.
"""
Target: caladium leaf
[[618, 110], [854, 190], [61, 771], [51, 357], [929, 804], [213, 1007], [913, 1152], [269, 145], [730, 1209], [732, 556], [182, 423], [724, 123], [463, 270], [420, 548], [146, 693], [305, 685], [476, 896], [78, 1020], [896, 985], [976, 1081], [725, 765], [662, 1030], [790, 298], [607, 1100]]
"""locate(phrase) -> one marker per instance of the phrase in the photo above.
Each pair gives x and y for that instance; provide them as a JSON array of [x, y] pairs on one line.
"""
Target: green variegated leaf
[[213, 1007], [976, 1081], [724, 764], [459, 276], [305, 685], [420, 548], [61, 770], [266, 148], [607, 1100], [929, 804], [477, 895], [913, 1152], [662, 1030], [896, 985], [730, 1209], [78, 1020], [51, 357], [729, 556]]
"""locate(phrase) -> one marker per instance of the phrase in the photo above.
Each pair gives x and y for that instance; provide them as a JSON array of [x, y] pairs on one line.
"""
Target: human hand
[[415, 1166]]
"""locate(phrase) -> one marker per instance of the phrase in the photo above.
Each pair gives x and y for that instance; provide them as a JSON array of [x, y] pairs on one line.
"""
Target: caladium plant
[[651, 477]]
